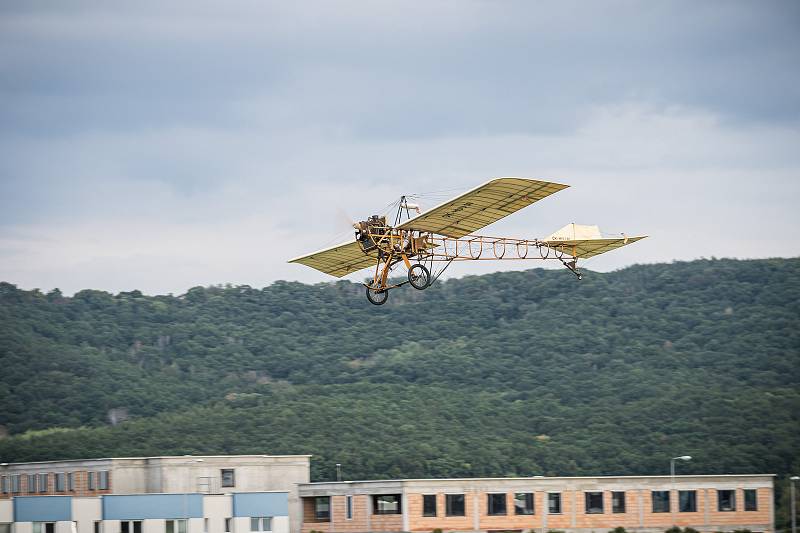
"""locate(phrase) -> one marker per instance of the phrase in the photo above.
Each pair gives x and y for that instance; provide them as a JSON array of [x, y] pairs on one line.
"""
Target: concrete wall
[[6, 511]]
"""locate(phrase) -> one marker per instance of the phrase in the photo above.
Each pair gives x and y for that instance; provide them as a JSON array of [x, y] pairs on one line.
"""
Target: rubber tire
[[374, 297], [413, 278]]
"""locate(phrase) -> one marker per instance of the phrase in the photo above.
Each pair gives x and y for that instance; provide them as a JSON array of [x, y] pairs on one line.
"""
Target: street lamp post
[[792, 481], [672, 483]]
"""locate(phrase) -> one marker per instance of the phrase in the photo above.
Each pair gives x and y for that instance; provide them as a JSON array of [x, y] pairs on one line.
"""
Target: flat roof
[[537, 478], [266, 456]]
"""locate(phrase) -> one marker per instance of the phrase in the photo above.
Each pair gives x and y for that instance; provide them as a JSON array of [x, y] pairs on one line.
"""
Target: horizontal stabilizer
[[581, 241]]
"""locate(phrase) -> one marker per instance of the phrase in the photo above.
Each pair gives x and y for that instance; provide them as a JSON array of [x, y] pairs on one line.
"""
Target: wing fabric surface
[[338, 260], [585, 248], [481, 206]]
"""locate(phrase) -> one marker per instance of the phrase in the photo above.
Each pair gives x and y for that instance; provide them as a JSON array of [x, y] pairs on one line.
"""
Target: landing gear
[[377, 297], [419, 277]]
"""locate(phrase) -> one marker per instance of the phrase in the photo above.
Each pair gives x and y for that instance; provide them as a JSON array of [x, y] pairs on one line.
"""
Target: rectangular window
[[98, 526], [91, 484], [228, 525], [44, 527], [618, 502], [750, 500], [523, 503], [348, 507], [429, 505], [4, 484], [261, 524], [42, 482], [5, 527], [496, 504], [554, 503], [322, 507], [174, 526], [726, 500], [228, 477], [60, 482], [135, 526], [32, 483], [16, 483], [687, 501], [70, 481], [102, 480], [454, 505], [660, 501], [594, 502], [386, 504]]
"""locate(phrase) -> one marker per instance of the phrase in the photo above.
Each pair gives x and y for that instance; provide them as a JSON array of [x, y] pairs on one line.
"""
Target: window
[[91, 482], [135, 526], [42, 482], [750, 500], [70, 481], [261, 524], [554, 503], [429, 505], [660, 501], [44, 527], [322, 507], [102, 480], [454, 505], [594, 502], [348, 507], [4, 485], [16, 483], [523, 503], [726, 500], [228, 477], [496, 504], [618, 502], [98, 526], [386, 504], [60, 482], [687, 501], [174, 526], [228, 525], [31, 483], [5, 527]]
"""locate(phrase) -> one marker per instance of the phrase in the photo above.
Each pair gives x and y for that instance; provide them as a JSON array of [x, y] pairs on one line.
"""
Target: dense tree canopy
[[518, 373]]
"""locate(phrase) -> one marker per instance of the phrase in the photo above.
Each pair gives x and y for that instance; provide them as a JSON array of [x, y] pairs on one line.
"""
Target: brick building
[[539, 504]]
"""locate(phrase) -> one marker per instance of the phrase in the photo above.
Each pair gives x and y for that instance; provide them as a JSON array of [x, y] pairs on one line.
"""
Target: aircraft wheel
[[419, 277], [377, 297]]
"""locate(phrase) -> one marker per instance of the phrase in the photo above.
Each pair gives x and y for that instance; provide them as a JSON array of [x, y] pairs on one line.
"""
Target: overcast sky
[[161, 145]]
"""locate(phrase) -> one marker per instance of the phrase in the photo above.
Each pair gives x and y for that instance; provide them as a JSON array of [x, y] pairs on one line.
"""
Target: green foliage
[[618, 529], [518, 373]]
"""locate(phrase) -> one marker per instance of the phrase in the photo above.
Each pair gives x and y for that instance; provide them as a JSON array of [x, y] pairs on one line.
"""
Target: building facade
[[241, 512], [540, 504], [84, 481]]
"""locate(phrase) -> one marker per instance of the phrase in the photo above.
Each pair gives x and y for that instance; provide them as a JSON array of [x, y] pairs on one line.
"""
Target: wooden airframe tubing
[[480, 250], [494, 248]]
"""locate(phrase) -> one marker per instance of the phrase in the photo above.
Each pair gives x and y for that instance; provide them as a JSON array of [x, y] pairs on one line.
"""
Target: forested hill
[[518, 373]]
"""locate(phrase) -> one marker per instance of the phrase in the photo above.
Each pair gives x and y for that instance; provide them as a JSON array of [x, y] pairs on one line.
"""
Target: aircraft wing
[[338, 260], [481, 206], [585, 248]]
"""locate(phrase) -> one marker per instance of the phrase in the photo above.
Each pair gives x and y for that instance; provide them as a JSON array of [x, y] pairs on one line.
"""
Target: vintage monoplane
[[444, 234]]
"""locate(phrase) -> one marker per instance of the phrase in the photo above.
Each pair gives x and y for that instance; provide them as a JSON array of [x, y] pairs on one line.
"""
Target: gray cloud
[[158, 146]]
